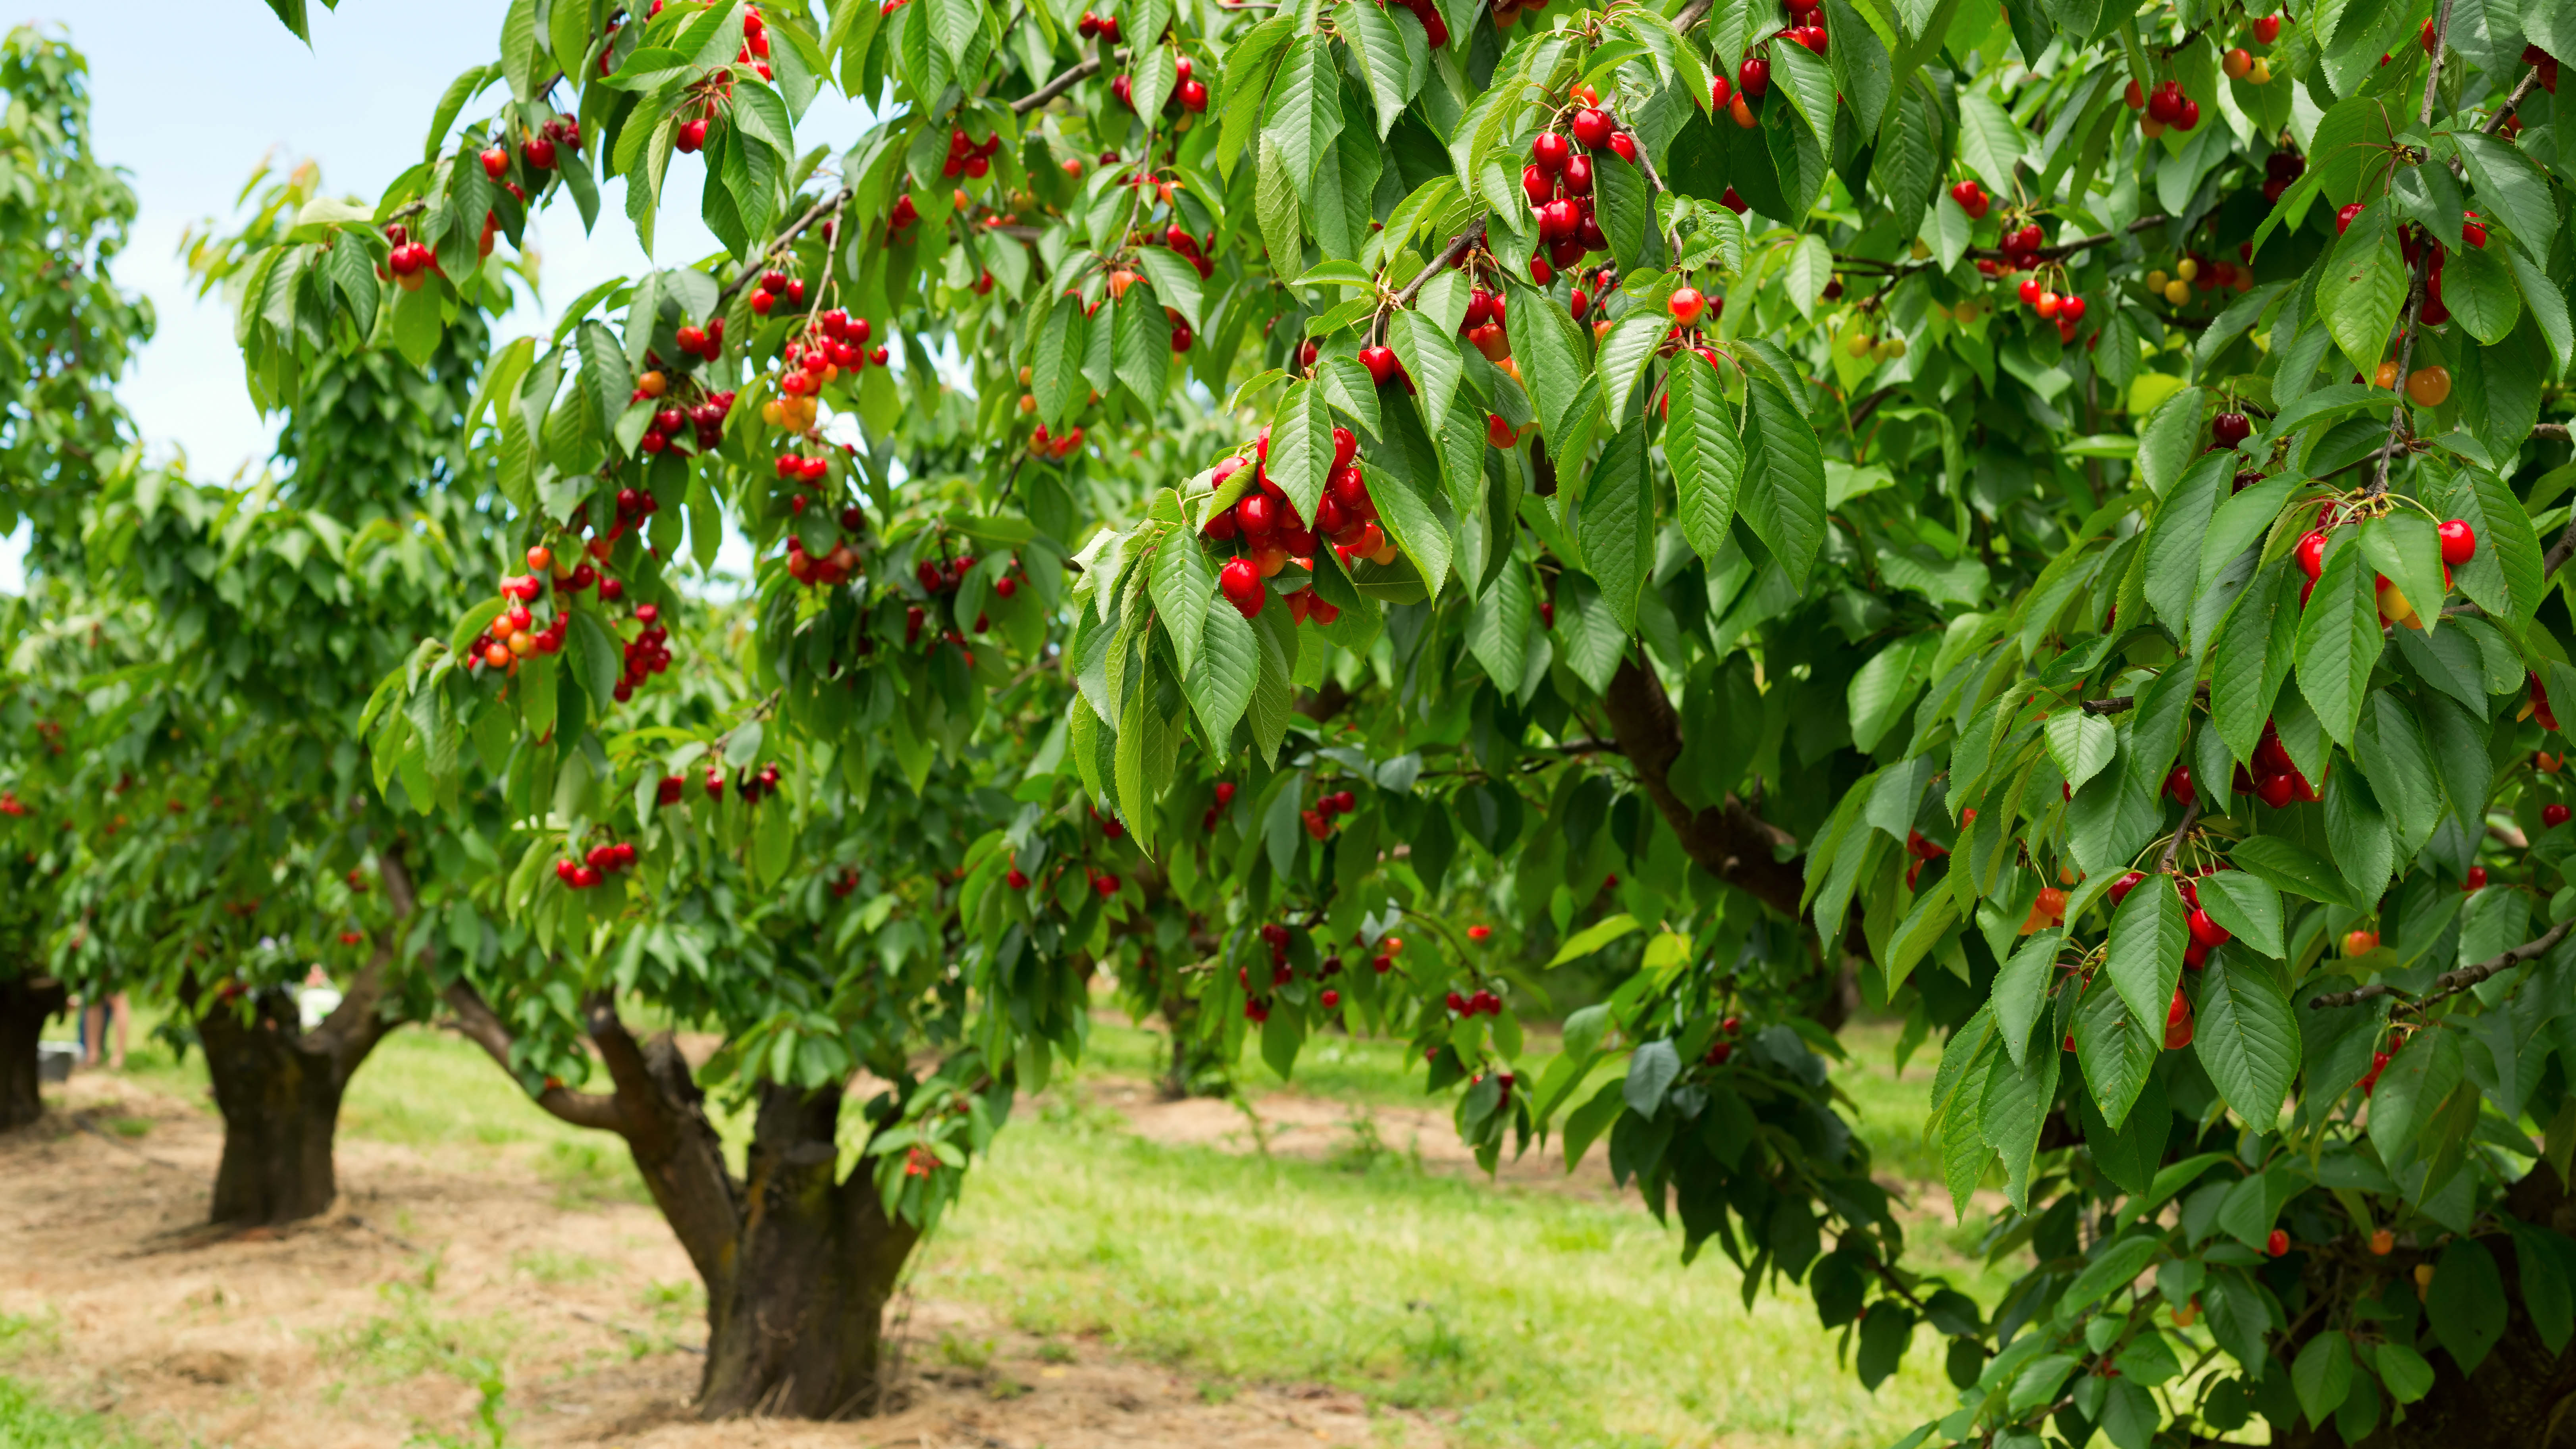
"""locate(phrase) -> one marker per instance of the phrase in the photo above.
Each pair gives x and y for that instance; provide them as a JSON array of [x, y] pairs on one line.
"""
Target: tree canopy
[[1346, 508]]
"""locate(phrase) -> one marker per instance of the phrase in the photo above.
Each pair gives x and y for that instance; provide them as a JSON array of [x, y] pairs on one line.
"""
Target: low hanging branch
[[2452, 983]]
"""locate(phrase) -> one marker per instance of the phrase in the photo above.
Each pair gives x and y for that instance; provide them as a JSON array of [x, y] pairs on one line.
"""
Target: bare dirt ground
[[365, 1328]]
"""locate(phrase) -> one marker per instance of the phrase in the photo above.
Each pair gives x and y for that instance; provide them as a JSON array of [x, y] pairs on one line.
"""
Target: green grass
[[1534, 1318], [28, 1422], [1528, 1318]]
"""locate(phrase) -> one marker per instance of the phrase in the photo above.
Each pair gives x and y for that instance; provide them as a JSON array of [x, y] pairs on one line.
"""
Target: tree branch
[[1082, 70], [1728, 840], [358, 1023], [475, 1021], [2190, 815], [785, 239], [1459, 245], [2452, 983]]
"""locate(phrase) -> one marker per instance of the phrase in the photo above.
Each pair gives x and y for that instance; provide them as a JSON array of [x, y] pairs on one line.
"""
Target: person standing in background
[[95, 1019]]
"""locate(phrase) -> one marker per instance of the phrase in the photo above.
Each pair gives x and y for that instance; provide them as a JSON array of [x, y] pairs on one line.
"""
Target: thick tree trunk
[[797, 1266], [797, 1330], [26, 1002], [279, 1086], [280, 1099]]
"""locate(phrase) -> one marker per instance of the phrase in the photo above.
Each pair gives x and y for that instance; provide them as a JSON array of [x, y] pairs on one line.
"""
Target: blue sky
[[188, 98]]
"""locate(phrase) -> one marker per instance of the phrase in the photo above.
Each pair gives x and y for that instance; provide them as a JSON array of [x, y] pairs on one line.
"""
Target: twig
[[2559, 551], [1082, 71], [2115, 705], [1692, 14], [785, 239], [2190, 815], [2550, 430], [1459, 245], [2452, 983]]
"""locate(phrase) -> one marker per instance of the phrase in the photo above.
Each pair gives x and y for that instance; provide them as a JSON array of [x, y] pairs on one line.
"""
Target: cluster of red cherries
[[2281, 170], [1479, 1003], [2166, 105], [842, 347], [774, 285], [1558, 178], [1178, 238], [755, 44], [410, 262], [2459, 544], [538, 151], [969, 157], [1266, 523], [597, 865], [1319, 818], [704, 419], [647, 654]]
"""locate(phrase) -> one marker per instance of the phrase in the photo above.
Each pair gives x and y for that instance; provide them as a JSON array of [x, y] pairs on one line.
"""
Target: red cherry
[[2459, 542], [693, 134], [2231, 429], [2279, 1242], [2553, 816], [2120, 888], [1241, 584], [496, 162], [1753, 77], [2311, 553], [2477, 879], [1499, 432], [1550, 152], [1381, 364], [1592, 127]]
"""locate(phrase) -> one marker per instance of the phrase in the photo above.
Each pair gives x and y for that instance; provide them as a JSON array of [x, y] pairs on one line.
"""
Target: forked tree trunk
[[279, 1086], [796, 1330], [797, 1265], [26, 1002], [279, 1092]]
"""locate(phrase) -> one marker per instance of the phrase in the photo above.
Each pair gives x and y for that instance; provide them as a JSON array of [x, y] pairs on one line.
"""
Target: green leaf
[[1301, 446], [2116, 1050], [2169, 439], [1409, 508], [2339, 638], [1055, 368], [2466, 1303], [2081, 744], [2403, 1372], [2290, 867], [2322, 1375], [2147, 939], [2511, 188], [2413, 1084], [2363, 288], [1176, 282], [1555, 364], [1383, 64], [1141, 343], [1592, 938], [2404, 547], [1615, 530], [2252, 656], [2503, 577], [1989, 141], [2247, 1037], [2114, 1265], [1707, 459], [1783, 492], [1429, 353], [1809, 85], [1222, 672], [2174, 541], [1183, 583], [1304, 117], [2017, 1101], [2480, 291], [2021, 986], [1498, 630], [1626, 212], [2249, 907]]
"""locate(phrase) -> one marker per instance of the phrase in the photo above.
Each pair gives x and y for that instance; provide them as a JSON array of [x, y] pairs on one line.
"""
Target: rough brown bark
[[797, 1266], [1728, 840], [26, 1002], [798, 1330], [279, 1086]]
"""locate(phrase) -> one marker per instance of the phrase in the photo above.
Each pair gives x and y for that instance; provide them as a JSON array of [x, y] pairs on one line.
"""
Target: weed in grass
[[130, 1127], [1052, 1351]]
